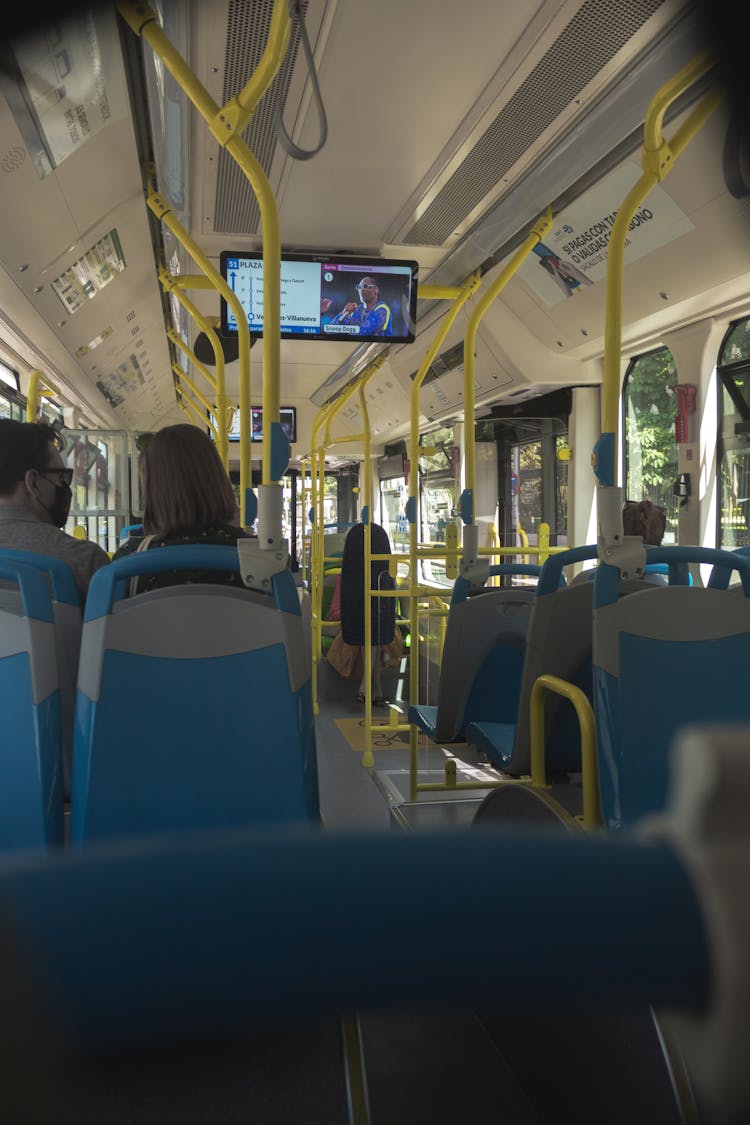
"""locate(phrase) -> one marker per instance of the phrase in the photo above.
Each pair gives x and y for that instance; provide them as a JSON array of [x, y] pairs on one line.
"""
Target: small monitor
[[287, 417], [327, 297]]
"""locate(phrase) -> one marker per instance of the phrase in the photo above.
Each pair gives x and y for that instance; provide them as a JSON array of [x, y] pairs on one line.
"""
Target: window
[[12, 403], [734, 443], [438, 495], [9, 377], [650, 450]]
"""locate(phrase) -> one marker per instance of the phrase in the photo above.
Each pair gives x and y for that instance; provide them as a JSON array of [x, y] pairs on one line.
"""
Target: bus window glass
[[9, 377], [734, 451], [101, 492], [562, 456], [650, 453], [330, 502], [11, 407], [394, 492], [531, 477], [438, 492]]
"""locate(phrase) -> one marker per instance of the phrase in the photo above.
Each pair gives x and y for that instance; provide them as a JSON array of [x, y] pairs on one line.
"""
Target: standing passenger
[[35, 497], [188, 498], [382, 610]]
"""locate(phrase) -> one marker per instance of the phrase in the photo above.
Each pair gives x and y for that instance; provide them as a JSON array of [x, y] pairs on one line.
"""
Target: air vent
[[595, 34], [448, 361], [248, 21]]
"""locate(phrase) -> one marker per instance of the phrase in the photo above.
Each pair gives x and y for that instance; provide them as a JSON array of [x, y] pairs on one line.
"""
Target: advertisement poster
[[573, 255], [63, 67], [83, 280], [121, 382]]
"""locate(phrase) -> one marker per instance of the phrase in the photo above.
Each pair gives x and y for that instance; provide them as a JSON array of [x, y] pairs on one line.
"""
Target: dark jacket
[[382, 610]]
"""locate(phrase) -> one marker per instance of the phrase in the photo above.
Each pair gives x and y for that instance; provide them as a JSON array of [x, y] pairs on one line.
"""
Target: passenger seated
[[642, 517], [35, 498], [188, 498], [649, 520]]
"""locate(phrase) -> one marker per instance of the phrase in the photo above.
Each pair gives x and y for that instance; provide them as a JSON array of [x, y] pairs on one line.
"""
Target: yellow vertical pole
[[33, 395], [459, 297], [317, 542], [163, 211], [39, 386], [367, 756], [542, 542], [326, 416], [304, 492], [227, 123], [658, 158], [177, 285], [536, 234], [318, 568]]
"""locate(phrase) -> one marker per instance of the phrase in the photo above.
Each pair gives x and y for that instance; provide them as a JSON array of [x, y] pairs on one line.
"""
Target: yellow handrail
[[535, 236], [163, 211], [658, 159], [591, 809], [227, 124], [39, 386], [459, 297]]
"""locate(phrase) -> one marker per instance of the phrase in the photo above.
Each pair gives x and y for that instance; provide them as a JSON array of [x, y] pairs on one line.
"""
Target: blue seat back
[[219, 677], [559, 643], [666, 658], [721, 576], [483, 654], [67, 615], [31, 783]]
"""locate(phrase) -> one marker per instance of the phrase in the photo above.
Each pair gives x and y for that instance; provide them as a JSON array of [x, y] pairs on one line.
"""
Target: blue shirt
[[372, 322]]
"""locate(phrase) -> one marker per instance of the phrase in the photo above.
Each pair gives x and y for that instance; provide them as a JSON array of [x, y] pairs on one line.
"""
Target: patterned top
[[221, 534]]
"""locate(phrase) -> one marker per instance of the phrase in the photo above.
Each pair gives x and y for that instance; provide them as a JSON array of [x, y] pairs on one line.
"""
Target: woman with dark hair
[[382, 610], [187, 498]]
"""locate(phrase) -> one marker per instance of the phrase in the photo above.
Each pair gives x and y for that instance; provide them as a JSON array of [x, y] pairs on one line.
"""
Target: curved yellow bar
[[657, 159], [164, 212], [590, 772], [39, 386], [536, 234], [227, 125]]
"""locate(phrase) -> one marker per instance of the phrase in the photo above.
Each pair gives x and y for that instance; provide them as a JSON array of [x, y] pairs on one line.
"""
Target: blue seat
[[31, 782], [558, 643], [482, 661], [67, 618], [720, 576], [134, 529], [669, 657], [219, 678]]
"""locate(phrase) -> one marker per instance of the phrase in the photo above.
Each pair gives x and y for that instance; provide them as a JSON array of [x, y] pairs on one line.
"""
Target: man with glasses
[[35, 500], [371, 315]]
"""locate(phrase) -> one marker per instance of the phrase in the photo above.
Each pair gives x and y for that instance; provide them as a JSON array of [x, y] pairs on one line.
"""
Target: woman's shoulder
[[128, 547], [224, 533]]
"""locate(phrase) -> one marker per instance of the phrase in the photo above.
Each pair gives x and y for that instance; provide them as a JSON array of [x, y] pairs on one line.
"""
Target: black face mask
[[58, 512]]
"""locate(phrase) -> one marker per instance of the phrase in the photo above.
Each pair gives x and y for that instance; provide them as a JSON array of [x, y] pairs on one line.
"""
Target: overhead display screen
[[287, 417], [327, 298]]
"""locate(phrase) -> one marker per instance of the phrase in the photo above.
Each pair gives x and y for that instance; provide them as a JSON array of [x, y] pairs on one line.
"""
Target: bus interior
[[551, 363]]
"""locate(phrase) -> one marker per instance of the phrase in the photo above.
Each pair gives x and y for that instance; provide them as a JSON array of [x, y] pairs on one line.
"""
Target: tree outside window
[[650, 408]]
